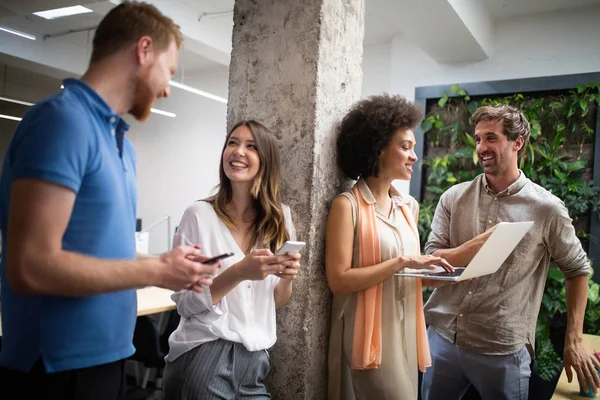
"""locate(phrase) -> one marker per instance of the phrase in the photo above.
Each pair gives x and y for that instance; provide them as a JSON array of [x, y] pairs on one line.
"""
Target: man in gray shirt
[[482, 332]]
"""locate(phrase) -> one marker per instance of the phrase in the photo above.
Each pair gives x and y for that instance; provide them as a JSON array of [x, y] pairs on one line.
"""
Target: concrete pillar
[[296, 66]]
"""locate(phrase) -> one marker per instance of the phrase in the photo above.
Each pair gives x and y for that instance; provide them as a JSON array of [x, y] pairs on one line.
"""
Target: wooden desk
[[150, 300], [569, 391]]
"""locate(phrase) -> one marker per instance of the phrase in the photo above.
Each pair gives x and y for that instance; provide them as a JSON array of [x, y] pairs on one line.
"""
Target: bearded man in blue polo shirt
[[67, 214]]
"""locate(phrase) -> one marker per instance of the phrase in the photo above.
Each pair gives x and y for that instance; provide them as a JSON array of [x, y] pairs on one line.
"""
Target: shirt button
[[460, 315], [495, 198], [117, 149], [112, 132], [490, 221], [470, 292], [112, 120]]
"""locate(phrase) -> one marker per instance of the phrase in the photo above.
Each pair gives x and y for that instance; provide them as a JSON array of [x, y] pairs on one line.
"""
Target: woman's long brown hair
[[269, 223]]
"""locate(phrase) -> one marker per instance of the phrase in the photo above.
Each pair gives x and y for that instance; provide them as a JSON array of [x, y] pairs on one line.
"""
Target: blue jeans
[[453, 369]]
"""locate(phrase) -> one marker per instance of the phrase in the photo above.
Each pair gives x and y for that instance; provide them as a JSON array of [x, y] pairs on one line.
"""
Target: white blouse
[[246, 314]]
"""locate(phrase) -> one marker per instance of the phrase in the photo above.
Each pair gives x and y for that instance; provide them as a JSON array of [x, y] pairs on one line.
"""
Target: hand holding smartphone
[[290, 246], [187, 242], [216, 258]]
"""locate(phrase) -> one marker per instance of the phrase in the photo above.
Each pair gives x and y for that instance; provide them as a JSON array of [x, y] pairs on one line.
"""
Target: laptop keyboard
[[457, 272]]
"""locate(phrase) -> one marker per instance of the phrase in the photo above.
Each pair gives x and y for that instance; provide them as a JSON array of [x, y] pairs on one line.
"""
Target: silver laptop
[[488, 259]]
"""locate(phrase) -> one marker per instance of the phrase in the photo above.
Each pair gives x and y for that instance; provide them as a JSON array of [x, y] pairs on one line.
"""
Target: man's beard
[[143, 100]]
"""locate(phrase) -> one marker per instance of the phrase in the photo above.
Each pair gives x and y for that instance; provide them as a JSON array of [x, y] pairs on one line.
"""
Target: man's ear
[[519, 143], [144, 50]]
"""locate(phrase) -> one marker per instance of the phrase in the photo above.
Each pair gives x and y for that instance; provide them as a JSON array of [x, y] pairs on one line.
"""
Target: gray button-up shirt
[[496, 314]]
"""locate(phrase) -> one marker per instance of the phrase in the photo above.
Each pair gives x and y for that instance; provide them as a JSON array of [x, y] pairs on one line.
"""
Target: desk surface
[[569, 391], [150, 300]]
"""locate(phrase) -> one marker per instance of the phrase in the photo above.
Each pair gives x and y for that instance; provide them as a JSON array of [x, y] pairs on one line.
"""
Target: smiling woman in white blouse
[[219, 349]]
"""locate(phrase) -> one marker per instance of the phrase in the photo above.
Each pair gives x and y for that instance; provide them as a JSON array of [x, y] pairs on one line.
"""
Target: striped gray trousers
[[217, 370]]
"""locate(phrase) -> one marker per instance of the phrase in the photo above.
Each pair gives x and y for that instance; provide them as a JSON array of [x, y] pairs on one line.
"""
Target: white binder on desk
[[142, 242]]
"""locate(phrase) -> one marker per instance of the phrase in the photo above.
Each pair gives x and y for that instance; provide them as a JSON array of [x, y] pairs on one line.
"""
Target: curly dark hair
[[368, 127]]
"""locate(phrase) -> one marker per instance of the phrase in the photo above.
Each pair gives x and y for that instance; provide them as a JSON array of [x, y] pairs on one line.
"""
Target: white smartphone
[[290, 247]]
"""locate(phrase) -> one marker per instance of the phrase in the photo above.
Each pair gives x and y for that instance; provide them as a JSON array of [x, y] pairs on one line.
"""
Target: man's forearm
[[459, 256], [462, 255], [72, 274], [144, 256], [576, 293]]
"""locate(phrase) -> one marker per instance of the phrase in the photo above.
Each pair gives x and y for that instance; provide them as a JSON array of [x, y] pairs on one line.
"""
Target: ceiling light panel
[[63, 12]]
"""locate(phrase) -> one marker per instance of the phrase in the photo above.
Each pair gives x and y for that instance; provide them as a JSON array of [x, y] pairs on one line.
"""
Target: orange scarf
[[367, 343]]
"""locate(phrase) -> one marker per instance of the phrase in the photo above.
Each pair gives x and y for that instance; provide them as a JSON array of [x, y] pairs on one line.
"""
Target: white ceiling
[[511, 8], [24, 7], [207, 24], [381, 23]]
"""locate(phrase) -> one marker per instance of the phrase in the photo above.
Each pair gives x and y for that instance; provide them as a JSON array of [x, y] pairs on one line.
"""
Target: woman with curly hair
[[378, 339], [219, 349]]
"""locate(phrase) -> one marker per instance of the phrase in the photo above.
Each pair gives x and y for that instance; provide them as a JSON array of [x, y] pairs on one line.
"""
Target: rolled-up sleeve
[[439, 238], [564, 245], [189, 302]]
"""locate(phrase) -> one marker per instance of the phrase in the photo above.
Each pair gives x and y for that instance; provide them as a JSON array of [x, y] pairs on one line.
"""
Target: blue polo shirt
[[73, 139]]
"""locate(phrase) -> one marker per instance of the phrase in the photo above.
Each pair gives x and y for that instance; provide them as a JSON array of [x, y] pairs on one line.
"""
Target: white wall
[[377, 69], [178, 158], [557, 43]]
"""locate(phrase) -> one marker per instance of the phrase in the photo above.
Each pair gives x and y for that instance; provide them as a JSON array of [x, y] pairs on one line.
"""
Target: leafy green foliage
[[555, 158], [553, 306], [549, 362]]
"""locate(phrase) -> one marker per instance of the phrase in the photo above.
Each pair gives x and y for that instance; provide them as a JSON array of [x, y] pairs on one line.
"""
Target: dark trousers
[[101, 382]]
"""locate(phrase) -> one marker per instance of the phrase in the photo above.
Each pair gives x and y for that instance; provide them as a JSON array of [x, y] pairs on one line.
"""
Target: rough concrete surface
[[296, 66]]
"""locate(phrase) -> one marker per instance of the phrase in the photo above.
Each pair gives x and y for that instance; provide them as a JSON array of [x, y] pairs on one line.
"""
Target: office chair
[[151, 349], [148, 352]]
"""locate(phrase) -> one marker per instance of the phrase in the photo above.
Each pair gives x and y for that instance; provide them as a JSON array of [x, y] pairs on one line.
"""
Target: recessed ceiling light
[[26, 103], [165, 113], [10, 117], [198, 91], [62, 12], [16, 32]]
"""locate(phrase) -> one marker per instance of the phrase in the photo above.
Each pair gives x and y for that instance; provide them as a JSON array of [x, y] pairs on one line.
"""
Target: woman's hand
[[292, 267], [423, 262], [261, 263]]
